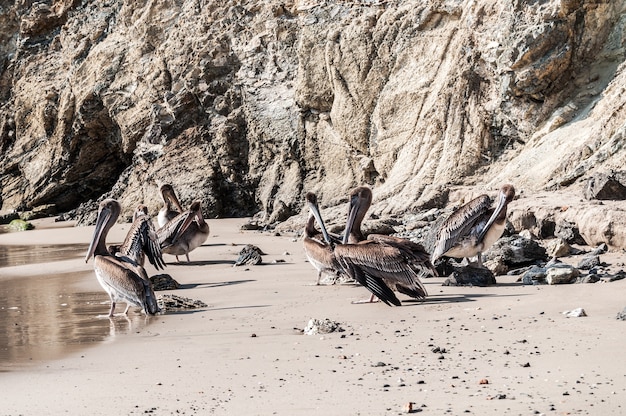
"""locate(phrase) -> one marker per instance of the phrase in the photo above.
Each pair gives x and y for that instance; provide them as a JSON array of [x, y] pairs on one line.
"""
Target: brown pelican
[[184, 233], [123, 280], [381, 262], [141, 240], [318, 246], [474, 227], [171, 206]]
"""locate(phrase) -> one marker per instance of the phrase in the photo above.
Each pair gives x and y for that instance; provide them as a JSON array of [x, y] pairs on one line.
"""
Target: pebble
[[575, 313]]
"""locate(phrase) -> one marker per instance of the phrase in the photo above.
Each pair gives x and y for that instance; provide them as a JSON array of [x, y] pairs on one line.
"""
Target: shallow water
[[17, 255], [48, 316]]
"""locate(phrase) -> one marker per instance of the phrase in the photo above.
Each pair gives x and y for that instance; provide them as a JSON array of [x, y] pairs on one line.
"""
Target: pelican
[[381, 263], [474, 227], [184, 233], [123, 280], [171, 206], [318, 246], [141, 240]]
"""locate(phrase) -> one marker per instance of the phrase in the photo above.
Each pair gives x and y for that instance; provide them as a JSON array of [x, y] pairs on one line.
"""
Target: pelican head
[[169, 197], [506, 195], [108, 212], [139, 211], [360, 201]]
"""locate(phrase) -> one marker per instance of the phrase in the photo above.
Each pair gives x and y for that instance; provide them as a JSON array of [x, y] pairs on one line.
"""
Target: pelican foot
[[356, 302], [372, 299]]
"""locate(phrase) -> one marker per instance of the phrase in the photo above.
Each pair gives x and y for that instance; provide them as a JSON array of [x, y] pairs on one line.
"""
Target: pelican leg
[[112, 308], [187, 255], [127, 308]]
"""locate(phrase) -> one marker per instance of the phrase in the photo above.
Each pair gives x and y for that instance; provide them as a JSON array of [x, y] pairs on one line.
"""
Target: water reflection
[[17, 255], [46, 317]]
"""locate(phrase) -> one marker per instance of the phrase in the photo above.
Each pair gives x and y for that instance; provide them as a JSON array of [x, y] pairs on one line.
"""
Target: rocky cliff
[[248, 104]]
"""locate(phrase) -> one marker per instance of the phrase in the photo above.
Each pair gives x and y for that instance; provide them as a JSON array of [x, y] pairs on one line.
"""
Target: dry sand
[[245, 353]]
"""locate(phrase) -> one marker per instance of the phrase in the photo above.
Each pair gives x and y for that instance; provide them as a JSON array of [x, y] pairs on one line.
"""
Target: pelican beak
[[195, 211], [354, 209], [496, 212], [318, 217], [103, 218]]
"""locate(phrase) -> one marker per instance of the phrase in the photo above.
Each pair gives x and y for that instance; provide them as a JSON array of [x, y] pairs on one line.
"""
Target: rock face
[[248, 104]]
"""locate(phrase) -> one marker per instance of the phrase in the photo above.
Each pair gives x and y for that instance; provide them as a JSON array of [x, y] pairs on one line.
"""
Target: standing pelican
[[184, 233], [474, 227], [123, 280], [381, 262], [171, 206], [141, 240], [318, 246]]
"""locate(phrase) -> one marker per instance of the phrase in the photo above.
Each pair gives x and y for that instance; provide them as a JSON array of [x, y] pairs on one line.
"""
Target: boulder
[[606, 186]]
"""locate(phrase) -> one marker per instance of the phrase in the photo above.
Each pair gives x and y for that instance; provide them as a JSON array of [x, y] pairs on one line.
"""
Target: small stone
[[483, 381], [558, 248], [575, 313], [560, 275]]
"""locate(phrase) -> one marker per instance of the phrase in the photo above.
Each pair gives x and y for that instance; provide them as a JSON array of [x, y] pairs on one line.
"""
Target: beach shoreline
[[505, 349]]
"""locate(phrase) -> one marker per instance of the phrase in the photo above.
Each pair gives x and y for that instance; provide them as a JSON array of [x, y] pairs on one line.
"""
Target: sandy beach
[[506, 349]]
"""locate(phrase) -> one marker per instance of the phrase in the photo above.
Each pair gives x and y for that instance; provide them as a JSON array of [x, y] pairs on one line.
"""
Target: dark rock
[[516, 251], [617, 276], [605, 186], [588, 262], [8, 217], [601, 249], [252, 226], [546, 227], [535, 275], [590, 278], [162, 281], [250, 255], [569, 232], [622, 315], [520, 270], [470, 276]]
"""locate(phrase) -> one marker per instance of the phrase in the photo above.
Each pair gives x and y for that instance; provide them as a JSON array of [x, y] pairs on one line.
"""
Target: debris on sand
[[249, 255], [322, 326], [173, 302]]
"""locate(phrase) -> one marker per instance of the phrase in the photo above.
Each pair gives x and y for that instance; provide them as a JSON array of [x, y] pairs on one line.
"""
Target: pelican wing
[[414, 253], [142, 238], [383, 262], [171, 231], [459, 224]]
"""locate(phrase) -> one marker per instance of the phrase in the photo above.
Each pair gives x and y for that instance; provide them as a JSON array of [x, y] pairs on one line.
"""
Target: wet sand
[[245, 352]]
